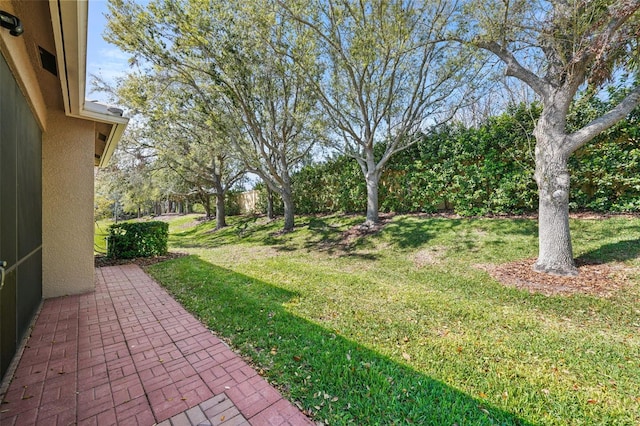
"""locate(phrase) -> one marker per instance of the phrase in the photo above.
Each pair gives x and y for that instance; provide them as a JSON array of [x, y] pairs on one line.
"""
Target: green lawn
[[401, 328], [100, 232]]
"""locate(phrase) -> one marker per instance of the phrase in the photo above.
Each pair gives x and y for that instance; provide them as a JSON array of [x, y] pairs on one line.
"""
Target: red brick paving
[[129, 354]]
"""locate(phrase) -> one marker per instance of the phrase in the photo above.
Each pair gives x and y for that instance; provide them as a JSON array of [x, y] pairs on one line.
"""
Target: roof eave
[[70, 25]]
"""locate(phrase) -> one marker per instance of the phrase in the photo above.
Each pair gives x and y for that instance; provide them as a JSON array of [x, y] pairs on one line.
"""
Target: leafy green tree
[[224, 52], [185, 136], [556, 48], [388, 76]]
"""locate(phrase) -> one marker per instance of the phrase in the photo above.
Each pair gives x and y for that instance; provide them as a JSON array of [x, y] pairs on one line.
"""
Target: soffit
[[60, 28]]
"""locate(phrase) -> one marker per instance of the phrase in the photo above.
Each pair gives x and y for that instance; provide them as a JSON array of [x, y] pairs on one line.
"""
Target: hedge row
[[484, 170]]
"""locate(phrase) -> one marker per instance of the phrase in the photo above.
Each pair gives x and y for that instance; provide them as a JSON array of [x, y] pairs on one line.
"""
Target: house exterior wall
[[67, 207], [20, 215]]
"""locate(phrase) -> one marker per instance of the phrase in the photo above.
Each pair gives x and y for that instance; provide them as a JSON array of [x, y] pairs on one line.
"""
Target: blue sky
[[103, 59]]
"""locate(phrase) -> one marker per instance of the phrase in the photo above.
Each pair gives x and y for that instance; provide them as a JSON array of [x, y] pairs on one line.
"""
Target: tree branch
[[602, 123], [514, 67]]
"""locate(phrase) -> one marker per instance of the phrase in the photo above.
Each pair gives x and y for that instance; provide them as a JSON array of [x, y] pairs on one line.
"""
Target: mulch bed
[[598, 279], [101, 261]]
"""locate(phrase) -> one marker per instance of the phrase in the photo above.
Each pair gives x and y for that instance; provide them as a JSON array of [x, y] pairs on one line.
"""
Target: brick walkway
[[129, 354]]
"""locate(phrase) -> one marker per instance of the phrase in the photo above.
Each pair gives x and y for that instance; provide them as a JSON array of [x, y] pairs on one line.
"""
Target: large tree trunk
[[221, 221], [206, 201], [270, 212], [555, 255], [372, 178], [287, 200]]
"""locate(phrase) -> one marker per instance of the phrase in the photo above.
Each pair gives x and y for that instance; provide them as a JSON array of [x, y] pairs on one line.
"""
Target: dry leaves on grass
[[101, 261], [429, 256], [595, 279]]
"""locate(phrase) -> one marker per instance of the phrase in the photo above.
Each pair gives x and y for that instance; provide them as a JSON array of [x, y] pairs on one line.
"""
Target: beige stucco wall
[[67, 206], [16, 51]]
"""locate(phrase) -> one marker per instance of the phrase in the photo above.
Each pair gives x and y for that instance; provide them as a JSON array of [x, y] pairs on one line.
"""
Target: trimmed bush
[[137, 239]]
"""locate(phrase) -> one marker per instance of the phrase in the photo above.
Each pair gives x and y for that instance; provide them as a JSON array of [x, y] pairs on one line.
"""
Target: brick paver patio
[[129, 354]]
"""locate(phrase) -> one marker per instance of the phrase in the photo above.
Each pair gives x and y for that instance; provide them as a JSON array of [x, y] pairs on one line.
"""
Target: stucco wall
[[67, 206]]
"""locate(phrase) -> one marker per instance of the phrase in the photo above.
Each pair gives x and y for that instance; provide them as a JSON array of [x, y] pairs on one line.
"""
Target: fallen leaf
[[406, 356], [482, 395], [459, 349], [222, 418], [297, 358], [406, 339], [545, 391], [334, 399], [592, 401]]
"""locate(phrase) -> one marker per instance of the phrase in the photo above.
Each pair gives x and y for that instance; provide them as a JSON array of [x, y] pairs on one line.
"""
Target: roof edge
[[70, 25]]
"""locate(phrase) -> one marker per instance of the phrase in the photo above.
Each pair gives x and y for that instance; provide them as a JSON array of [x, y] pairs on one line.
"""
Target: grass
[[100, 232], [400, 328]]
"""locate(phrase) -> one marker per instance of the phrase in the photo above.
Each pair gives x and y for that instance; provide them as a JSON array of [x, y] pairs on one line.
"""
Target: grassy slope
[[371, 336]]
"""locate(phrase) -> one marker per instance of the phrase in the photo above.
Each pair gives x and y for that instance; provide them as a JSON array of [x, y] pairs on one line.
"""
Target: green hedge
[[483, 170], [137, 239]]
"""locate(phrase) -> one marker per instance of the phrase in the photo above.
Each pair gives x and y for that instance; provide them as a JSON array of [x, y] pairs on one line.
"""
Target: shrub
[[231, 203], [137, 239]]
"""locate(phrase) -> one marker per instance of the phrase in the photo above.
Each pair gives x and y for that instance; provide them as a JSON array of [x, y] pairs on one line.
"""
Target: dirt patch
[[101, 261], [430, 256], [363, 230], [598, 279]]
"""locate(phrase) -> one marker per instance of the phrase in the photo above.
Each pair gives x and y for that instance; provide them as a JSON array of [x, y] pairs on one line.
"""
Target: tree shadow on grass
[[250, 228], [615, 252], [331, 238], [334, 377], [412, 232]]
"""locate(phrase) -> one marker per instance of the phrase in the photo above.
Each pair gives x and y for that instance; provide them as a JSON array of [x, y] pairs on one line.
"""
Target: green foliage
[[606, 171], [231, 204], [484, 170], [137, 239], [488, 170], [333, 186]]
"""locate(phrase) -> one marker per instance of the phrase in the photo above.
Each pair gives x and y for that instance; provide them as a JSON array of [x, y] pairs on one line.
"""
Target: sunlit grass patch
[[364, 333]]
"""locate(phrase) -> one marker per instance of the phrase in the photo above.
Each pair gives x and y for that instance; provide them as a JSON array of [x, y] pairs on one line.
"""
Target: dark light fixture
[[48, 61], [12, 23]]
